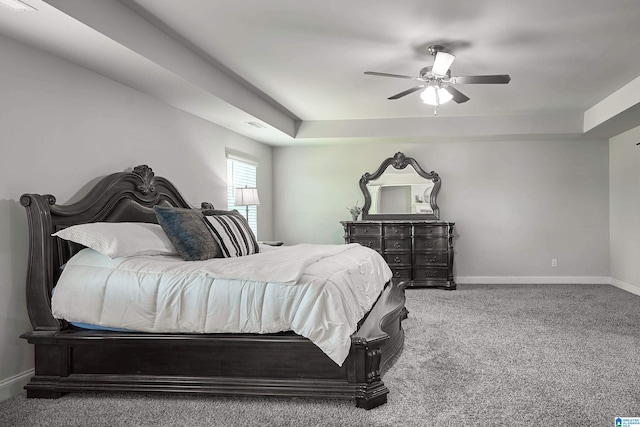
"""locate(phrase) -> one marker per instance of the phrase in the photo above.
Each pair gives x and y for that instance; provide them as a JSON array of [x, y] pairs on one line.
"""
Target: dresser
[[419, 252]]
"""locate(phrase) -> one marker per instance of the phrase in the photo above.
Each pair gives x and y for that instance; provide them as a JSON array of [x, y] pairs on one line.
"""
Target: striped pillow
[[232, 234]]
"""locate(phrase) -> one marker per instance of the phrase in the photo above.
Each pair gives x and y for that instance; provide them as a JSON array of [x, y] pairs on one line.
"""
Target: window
[[241, 173]]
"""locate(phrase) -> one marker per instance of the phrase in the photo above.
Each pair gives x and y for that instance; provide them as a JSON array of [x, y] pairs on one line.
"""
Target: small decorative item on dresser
[[355, 211]]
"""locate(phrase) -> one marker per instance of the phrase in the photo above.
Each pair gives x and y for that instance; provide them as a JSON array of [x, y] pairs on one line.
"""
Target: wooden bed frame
[[68, 359]]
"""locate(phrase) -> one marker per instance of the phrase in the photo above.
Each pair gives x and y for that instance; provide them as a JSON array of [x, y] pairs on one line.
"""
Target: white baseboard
[[629, 287], [13, 386], [549, 280], [536, 280]]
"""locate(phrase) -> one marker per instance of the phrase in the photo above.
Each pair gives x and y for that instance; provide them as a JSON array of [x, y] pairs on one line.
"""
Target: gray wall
[[516, 204], [624, 194], [63, 126]]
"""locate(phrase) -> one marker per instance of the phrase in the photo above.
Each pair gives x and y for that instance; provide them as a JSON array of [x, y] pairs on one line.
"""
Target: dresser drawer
[[430, 273], [397, 244], [373, 243], [401, 273], [431, 244], [397, 230], [397, 259], [366, 230], [430, 230], [430, 258]]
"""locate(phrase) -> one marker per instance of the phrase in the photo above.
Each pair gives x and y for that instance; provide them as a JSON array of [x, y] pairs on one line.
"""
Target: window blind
[[242, 173]]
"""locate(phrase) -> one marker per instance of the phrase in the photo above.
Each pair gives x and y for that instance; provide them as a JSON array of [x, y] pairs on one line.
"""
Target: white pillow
[[120, 239]]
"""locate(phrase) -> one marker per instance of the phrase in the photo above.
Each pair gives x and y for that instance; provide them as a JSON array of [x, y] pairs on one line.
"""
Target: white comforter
[[317, 291]]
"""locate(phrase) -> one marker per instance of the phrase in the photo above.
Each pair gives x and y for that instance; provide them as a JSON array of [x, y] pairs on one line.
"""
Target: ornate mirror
[[400, 192]]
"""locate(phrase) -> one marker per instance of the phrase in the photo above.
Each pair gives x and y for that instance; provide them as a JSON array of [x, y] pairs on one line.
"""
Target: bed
[[69, 358]]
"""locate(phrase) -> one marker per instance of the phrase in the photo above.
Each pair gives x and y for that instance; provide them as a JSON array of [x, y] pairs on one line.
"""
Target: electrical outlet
[[554, 262]]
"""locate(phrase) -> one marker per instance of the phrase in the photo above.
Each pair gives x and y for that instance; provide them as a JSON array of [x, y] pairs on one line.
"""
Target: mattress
[[317, 291]]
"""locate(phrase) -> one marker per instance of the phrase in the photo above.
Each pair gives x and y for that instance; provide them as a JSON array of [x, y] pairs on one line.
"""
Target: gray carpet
[[483, 355]]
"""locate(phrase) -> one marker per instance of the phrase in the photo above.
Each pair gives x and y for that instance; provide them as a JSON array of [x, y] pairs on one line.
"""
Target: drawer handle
[[369, 243], [429, 244], [396, 245], [432, 259], [365, 230], [397, 259], [396, 274]]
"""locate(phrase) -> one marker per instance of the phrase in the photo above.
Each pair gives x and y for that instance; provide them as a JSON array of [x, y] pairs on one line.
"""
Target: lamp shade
[[435, 95], [247, 196]]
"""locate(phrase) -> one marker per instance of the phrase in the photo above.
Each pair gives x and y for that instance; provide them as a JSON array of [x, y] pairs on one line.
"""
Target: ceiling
[[290, 72]]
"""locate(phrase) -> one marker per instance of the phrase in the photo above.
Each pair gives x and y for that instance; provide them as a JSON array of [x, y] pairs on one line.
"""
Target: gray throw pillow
[[189, 233]]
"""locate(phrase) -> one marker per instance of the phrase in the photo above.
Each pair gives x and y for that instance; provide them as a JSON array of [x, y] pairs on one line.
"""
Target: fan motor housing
[[426, 73]]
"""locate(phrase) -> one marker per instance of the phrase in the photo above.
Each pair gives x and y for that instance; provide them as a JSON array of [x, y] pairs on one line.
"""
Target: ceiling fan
[[437, 80]]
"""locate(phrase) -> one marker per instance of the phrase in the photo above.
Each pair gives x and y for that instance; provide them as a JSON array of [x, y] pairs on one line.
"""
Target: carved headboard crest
[[147, 176]]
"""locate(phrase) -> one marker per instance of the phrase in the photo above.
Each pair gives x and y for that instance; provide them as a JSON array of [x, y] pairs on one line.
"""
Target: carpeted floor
[[483, 355]]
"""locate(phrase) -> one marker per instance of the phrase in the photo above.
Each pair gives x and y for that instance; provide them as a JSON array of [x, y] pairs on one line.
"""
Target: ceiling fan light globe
[[429, 95], [445, 95], [435, 95]]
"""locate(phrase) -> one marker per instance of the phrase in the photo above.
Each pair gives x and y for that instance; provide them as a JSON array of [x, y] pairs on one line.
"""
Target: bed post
[[376, 344], [40, 263], [372, 392]]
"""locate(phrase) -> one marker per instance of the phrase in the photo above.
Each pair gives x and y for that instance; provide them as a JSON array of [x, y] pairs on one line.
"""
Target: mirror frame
[[400, 161]]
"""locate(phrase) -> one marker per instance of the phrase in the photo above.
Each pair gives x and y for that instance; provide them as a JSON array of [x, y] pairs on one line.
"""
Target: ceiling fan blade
[[400, 76], [442, 63], [493, 79], [406, 92], [458, 96]]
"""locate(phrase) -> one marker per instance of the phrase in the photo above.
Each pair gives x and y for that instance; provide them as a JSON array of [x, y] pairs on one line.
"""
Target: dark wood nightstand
[[272, 242]]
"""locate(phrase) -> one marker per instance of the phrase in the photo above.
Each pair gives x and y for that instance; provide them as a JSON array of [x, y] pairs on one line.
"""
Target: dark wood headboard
[[119, 197]]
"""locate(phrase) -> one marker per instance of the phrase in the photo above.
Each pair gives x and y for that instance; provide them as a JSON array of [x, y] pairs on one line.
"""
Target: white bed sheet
[[334, 287]]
